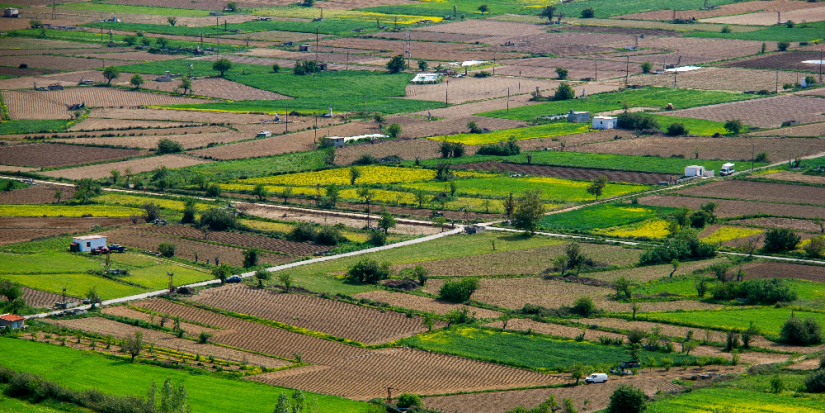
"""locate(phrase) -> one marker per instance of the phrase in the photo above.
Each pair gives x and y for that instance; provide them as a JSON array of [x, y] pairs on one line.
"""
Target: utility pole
[[365, 106], [54, 4], [218, 36], [753, 149], [820, 65], [519, 81], [347, 59], [596, 71], [495, 52], [286, 121], [508, 100], [316, 46], [627, 72], [446, 93], [315, 140], [777, 81]]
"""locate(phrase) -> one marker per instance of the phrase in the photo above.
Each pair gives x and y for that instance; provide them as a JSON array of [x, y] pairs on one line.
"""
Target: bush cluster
[[458, 291], [319, 234], [368, 271], [760, 290], [681, 247], [636, 120], [799, 332], [218, 219], [502, 149]]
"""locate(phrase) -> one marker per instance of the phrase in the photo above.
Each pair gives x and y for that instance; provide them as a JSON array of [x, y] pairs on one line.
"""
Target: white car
[[596, 378]]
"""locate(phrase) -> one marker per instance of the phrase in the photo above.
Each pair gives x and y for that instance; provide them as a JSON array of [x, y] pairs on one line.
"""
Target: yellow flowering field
[[371, 174], [730, 233], [138, 201], [311, 13], [653, 228], [68, 211]]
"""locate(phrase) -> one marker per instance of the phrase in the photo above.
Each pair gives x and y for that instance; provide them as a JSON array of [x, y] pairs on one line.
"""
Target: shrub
[[368, 271], [646, 67], [636, 336], [458, 291], [780, 240], [733, 126], [761, 157], [810, 80], [816, 247], [562, 72], [588, 13], [564, 92], [782, 46], [636, 121], [677, 129], [152, 211], [304, 231], [167, 249], [798, 332], [377, 238], [815, 382], [683, 246], [222, 65], [407, 400], [304, 67], [218, 219], [756, 291], [626, 399], [482, 74], [204, 337], [501, 149], [584, 306], [251, 257], [396, 64], [169, 146], [726, 29], [330, 235], [777, 385], [214, 190]]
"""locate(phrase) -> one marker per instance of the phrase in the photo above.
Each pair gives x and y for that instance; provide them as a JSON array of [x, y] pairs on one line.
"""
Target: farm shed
[[12, 321], [475, 229], [578, 117], [341, 141], [304, 48], [10, 12], [694, 170], [87, 243], [604, 122]]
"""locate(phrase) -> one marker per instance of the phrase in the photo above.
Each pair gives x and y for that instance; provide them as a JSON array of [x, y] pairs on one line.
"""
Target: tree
[[576, 372], [421, 274], [283, 405], [286, 193], [458, 291], [816, 247], [10, 290], [588, 13], [529, 210], [779, 240], [111, 73], [509, 205], [622, 286], [802, 333], [749, 334], [596, 188], [420, 196], [428, 319], [379, 119], [115, 176], [562, 73], [167, 249], [394, 130], [675, 264], [332, 192], [575, 258], [189, 211], [560, 262], [815, 382], [584, 306], [286, 280], [300, 399], [354, 174], [677, 129], [734, 126], [473, 127], [251, 257], [260, 191], [85, 189], [222, 272], [646, 67], [782, 46], [172, 20], [368, 271], [137, 81], [186, 85], [222, 65], [167, 145], [151, 211], [548, 12], [564, 92], [232, 6], [626, 399], [422, 65], [133, 345], [396, 64], [58, 194], [484, 8], [407, 400], [386, 221], [262, 275]]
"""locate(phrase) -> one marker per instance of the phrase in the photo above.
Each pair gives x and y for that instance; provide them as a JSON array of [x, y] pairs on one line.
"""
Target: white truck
[[596, 378], [727, 169]]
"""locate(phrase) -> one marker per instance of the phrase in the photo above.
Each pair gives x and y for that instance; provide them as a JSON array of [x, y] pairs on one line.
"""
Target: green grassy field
[[11, 185], [769, 320], [553, 189], [257, 167], [770, 34], [77, 284], [123, 8], [46, 262], [467, 8], [657, 97], [543, 131], [207, 393], [607, 8], [155, 277], [654, 164], [734, 400], [603, 216], [809, 293], [8, 404], [92, 37], [695, 126], [334, 27], [522, 350], [20, 126]]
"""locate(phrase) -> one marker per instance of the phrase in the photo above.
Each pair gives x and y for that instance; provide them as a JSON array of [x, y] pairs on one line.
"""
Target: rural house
[[604, 122], [87, 243], [12, 321], [578, 117]]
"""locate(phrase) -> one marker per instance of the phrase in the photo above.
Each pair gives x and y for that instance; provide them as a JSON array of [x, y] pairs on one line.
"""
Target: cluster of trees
[[625, 399], [502, 148], [13, 293], [319, 234], [458, 291], [452, 149]]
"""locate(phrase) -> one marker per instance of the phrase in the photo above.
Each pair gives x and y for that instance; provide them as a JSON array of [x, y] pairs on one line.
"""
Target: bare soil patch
[[137, 165], [809, 130], [794, 224], [525, 324], [188, 141], [220, 88], [37, 194], [428, 36], [23, 43], [321, 217], [51, 155], [425, 304], [93, 124], [362, 324], [64, 79], [485, 28], [470, 88], [179, 115], [405, 148], [650, 273], [123, 311], [696, 50], [759, 191], [241, 240], [578, 68], [187, 249], [765, 113], [716, 78], [424, 50], [570, 173], [15, 235], [785, 60], [38, 299], [57, 62], [766, 269], [796, 177], [724, 10], [58, 222], [729, 208], [709, 148], [277, 36], [768, 18]]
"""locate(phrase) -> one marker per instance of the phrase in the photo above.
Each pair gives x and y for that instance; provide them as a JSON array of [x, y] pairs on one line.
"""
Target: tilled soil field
[[765, 113], [709, 148], [516, 292], [486, 28], [57, 62], [60, 223], [150, 140], [786, 60], [569, 173], [432, 36], [365, 325], [38, 299], [728, 208], [65, 79], [16, 44], [796, 177], [768, 18], [724, 10], [425, 304], [759, 191], [522, 262], [715, 78], [241, 240], [137, 165], [123, 311], [37, 194], [424, 50], [525, 324], [111, 136], [804, 131], [179, 116], [295, 215], [794, 224], [92, 124], [468, 89], [105, 326], [690, 51], [188, 249], [51, 155], [215, 87], [650, 273], [764, 269], [15, 235]]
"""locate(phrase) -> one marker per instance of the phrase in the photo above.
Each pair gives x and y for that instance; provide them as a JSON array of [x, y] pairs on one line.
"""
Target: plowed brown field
[[788, 60], [37, 194], [38, 299], [525, 324], [137, 165], [92, 124], [785, 270], [728, 208], [724, 10], [715, 78], [179, 115], [794, 224], [56, 62], [223, 89], [122, 311], [759, 191], [709, 148], [570, 173], [15, 235], [765, 113], [425, 304], [353, 322], [804, 131], [49, 155]]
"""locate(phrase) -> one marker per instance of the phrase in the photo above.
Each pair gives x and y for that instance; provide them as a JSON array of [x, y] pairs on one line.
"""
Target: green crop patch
[[543, 131], [81, 370], [466, 8], [657, 97], [769, 320], [46, 262], [333, 27], [123, 8], [22, 126], [607, 8], [524, 350], [77, 284], [770, 34], [92, 37], [734, 400], [700, 127], [257, 167], [603, 216]]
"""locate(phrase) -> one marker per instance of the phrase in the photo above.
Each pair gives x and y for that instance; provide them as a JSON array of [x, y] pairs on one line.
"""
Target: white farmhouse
[[694, 170], [604, 122], [87, 243]]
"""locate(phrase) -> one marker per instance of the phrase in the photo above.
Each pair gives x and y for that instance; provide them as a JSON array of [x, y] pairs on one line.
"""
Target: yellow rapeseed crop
[[371, 174], [68, 211], [730, 233], [311, 13], [654, 228], [139, 201]]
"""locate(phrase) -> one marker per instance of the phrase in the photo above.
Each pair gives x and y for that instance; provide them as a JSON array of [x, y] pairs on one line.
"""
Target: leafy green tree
[[151, 211], [407, 400], [422, 65], [251, 257], [421, 274], [186, 85], [354, 174], [222, 272], [86, 189], [562, 73], [394, 130], [782, 46], [646, 67], [622, 286], [283, 405], [734, 126], [133, 345], [626, 399], [286, 280], [218, 219], [802, 333], [172, 20], [548, 12], [564, 92], [473, 127], [368, 271], [262, 275], [276, 68], [111, 73], [458, 291], [588, 13], [286, 193], [332, 192], [300, 400], [166, 145], [779, 240], [420, 196], [222, 65], [584, 306], [386, 221], [189, 211], [232, 6], [58, 194], [115, 176], [529, 210], [396, 64], [484, 8], [260, 191], [167, 249], [137, 81], [10, 290], [596, 187]]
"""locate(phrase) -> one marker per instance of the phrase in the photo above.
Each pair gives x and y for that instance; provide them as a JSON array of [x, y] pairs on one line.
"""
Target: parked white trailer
[[727, 169]]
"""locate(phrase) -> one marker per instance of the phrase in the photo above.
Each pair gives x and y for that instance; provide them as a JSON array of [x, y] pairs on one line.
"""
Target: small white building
[[604, 122], [87, 243], [578, 117], [425, 78], [694, 170], [264, 134], [341, 140]]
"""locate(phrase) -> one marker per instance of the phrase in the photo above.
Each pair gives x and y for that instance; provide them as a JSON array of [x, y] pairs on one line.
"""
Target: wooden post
[[446, 93], [217, 36], [508, 100]]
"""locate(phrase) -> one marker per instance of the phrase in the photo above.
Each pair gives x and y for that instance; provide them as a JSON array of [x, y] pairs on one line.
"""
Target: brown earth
[[569, 173], [92, 124], [424, 304], [123, 311], [38, 299], [424, 50], [15, 235], [365, 325], [214, 87], [809, 130], [759, 191], [36, 194], [64, 79], [768, 18], [137, 165], [525, 324], [650, 273], [17, 44], [431, 36], [794, 224], [188, 141], [58, 62], [179, 116], [764, 269], [765, 113], [51, 155], [188, 249], [709, 148], [485, 28], [785, 60], [724, 10], [103, 134], [237, 239], [727, 208], [691, 51], [715, 78], [622, 30], [796, 177], [60, 223]]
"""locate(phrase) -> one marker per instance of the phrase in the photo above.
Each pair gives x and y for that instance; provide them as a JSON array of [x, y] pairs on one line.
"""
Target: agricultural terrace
[[68, 211], [370, 174], [604, 216], [769, 320]]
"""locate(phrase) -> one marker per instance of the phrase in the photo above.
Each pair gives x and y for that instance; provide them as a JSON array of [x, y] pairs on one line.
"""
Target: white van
[[596, 378], [727, 169]]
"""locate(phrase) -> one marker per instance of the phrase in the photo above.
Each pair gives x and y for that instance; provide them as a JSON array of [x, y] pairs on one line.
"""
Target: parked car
[[117, 248], [596, 378], [233, 279]]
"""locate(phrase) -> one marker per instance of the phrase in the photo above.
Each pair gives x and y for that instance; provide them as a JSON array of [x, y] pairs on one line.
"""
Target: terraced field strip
[[759, 191], [353, 322], [123, 311], [731, 208], [415, 302], [52, 155]]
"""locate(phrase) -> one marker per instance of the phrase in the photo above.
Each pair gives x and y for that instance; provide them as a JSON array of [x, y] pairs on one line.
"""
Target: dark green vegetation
[[92, 37], [607, 8], [21, 126], [466, 8], [339, 27], [603, 216], [769, 320], [256, 167]]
